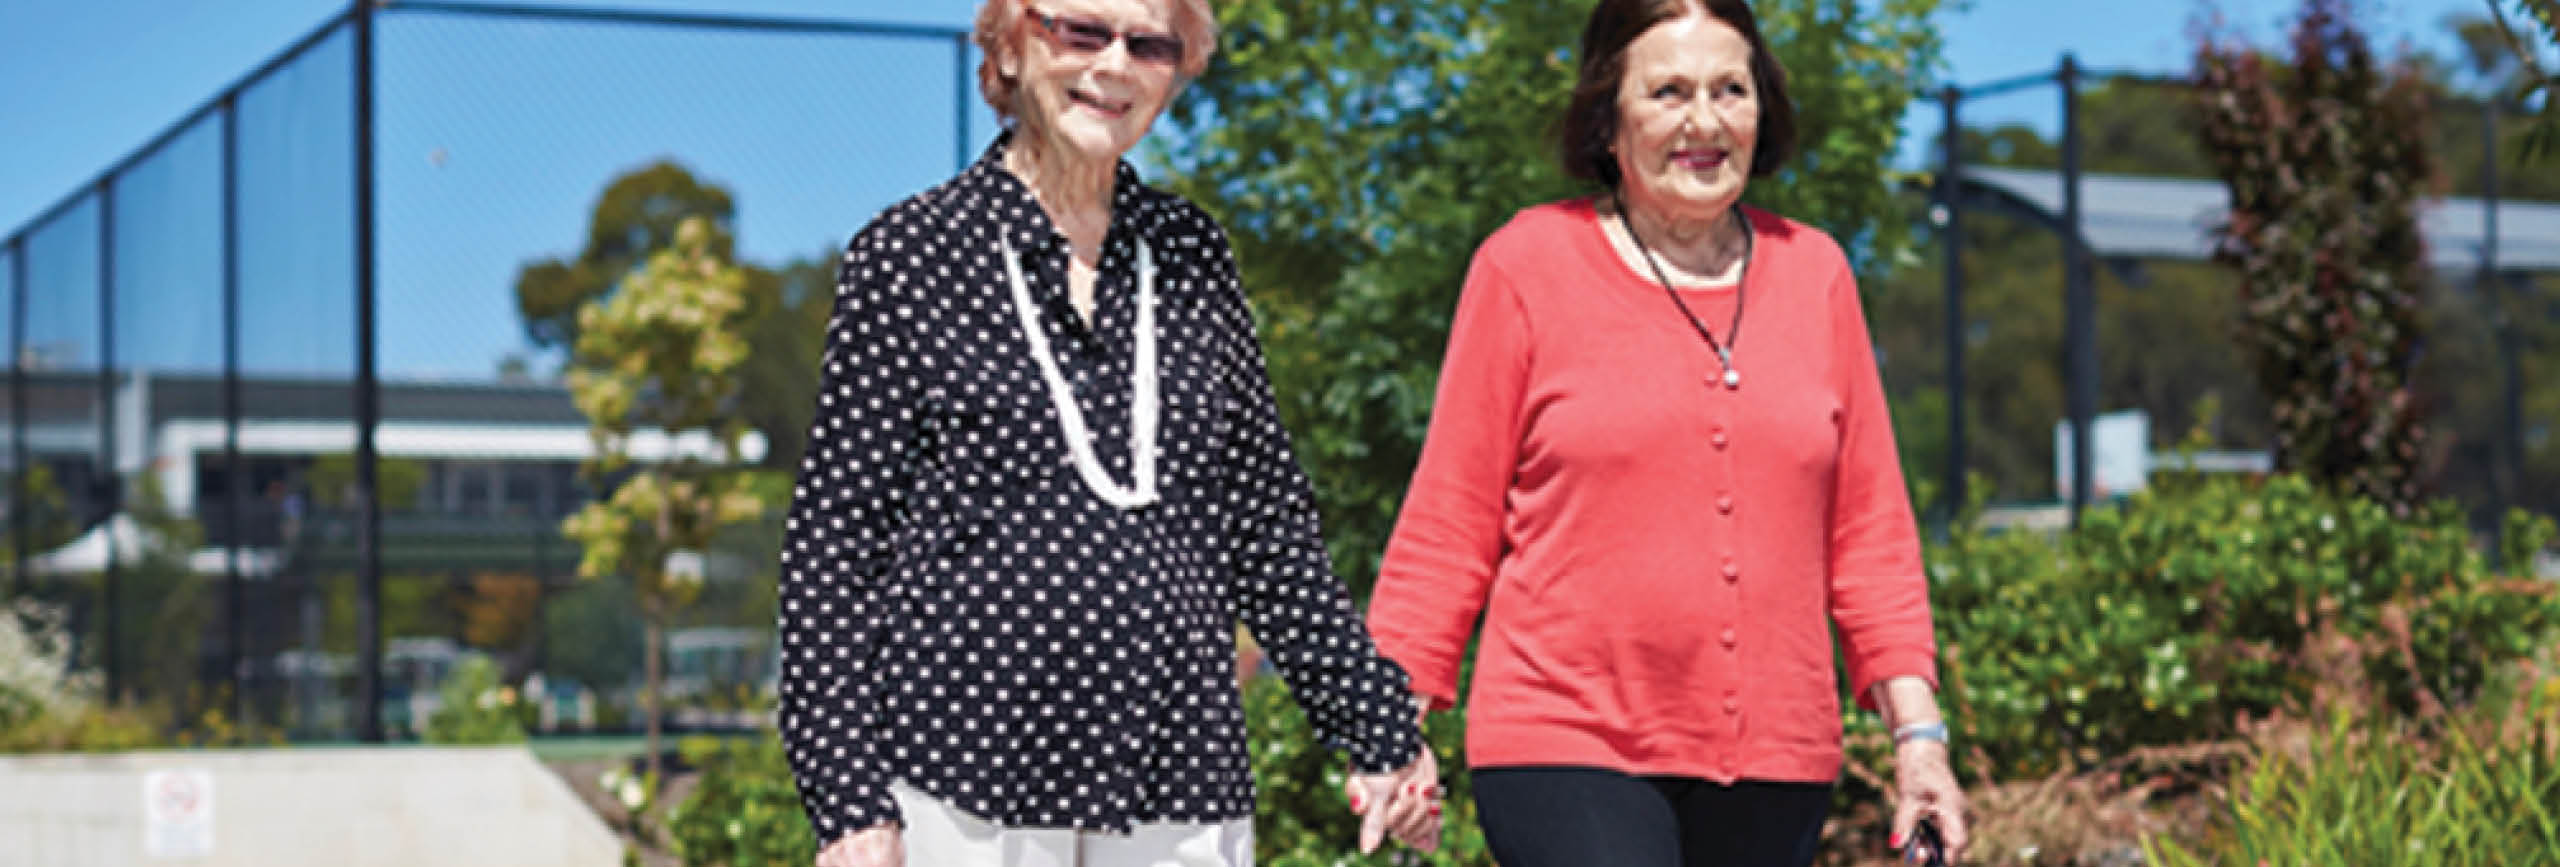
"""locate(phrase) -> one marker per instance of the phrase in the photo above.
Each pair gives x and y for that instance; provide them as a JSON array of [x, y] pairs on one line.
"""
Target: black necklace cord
[[1733, 332]]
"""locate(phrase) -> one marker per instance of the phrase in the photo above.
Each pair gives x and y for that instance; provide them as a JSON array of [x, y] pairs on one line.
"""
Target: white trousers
[[940, 835]]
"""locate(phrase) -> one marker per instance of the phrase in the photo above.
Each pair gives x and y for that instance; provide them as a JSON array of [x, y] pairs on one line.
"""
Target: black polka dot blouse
[[962, 612]]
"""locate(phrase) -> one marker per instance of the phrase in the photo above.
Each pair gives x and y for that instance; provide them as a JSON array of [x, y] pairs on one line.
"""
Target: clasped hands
[[1403, 803]]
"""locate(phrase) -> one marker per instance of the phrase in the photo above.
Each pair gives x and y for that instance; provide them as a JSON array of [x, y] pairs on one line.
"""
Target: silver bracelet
[[1920, 731]]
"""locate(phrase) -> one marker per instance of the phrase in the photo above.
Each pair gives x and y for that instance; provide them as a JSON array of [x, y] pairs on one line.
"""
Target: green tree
[[638, 213], [398, 482], [2530, 27], [2323, 229], [591, 637], [784, 340], [1358, 151], [48, 518], [2484, 70], [165, 606], [661, 357]]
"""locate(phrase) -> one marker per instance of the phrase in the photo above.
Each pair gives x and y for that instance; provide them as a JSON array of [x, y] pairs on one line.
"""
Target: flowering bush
[[44, 705], [477, 708], [744, 811]]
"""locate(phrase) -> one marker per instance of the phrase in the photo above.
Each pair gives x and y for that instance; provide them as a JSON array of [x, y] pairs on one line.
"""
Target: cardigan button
[[1729, 638], [1718, 438], [1724, 503]]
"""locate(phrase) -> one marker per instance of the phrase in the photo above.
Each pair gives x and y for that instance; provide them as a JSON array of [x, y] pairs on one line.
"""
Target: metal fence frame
[[2080, 342], [357, 19]]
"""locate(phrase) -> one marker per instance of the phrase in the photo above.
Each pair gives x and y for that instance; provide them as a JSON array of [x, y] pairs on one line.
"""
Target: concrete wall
[[377, 807]]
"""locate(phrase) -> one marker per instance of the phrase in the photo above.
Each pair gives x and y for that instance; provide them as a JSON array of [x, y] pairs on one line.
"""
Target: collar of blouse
[[988, 188]]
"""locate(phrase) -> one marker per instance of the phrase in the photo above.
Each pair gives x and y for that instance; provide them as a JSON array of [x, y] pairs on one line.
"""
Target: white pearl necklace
[[1144, 406]]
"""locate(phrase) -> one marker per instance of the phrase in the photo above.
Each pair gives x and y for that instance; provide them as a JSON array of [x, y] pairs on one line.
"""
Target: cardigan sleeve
[[846, 507], [1879, 592], [1286, 592], [1448, 539]]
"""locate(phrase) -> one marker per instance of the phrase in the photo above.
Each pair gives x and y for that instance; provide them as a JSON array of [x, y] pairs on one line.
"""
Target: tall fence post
[[18, 415], [2506, 487], [109, 485], [1951, 234], [960, 86], [235, 501], [368, 395], [2079, 338]]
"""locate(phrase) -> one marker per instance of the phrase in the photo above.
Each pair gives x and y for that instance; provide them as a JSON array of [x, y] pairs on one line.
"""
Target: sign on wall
[[177, 813]]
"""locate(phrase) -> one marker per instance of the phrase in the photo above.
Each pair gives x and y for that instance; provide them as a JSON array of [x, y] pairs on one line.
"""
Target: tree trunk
[[653, 676]]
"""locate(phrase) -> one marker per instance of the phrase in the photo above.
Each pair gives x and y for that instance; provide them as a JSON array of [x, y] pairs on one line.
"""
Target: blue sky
[[488, 159]]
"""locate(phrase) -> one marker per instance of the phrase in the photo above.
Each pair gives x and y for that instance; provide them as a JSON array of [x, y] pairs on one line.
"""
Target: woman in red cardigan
[[1661, 469]]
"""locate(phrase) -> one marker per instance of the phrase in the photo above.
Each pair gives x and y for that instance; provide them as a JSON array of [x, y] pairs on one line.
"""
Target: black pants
[[1591, 817]]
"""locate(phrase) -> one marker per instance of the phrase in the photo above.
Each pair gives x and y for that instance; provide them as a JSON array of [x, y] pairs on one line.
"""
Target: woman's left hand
[[1403, 803], [1925, 787]]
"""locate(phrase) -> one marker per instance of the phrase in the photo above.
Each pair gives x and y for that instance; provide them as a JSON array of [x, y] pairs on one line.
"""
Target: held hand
[[1404, 803], [1925, 787], [877, 846]]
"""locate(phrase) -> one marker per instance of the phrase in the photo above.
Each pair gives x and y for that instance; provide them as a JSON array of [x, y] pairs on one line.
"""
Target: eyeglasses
[[1090, 36]]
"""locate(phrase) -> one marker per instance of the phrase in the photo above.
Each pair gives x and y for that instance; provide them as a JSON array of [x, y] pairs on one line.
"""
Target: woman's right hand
[[876, 846], [1403, 804]]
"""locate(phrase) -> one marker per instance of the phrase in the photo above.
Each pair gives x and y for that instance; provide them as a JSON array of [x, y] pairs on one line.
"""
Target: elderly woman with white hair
[[1044, 480]]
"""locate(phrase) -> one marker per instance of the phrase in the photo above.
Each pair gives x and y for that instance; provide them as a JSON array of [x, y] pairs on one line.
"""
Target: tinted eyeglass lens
[[1082, 34], [1155, 48]]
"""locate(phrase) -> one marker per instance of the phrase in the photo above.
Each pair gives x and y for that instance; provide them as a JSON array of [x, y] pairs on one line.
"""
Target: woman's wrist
[[1932, 731], [1905, 701]]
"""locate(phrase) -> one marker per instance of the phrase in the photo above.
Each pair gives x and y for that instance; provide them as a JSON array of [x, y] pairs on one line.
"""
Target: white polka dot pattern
[[960, 612]]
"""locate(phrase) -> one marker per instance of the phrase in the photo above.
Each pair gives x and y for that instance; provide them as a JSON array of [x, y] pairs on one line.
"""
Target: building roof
[[2173, 218]]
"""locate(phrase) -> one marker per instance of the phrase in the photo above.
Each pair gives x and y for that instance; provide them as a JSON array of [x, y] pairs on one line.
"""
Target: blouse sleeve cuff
[[1386, 733], [834, 821], [1435, 683], [1388, 749]]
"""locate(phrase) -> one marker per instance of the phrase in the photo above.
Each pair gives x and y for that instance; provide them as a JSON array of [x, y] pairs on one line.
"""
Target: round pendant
[[1732, 378]]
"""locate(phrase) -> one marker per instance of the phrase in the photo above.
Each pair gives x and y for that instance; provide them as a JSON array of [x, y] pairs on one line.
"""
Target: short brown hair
[[1590, 123], [998, 34]]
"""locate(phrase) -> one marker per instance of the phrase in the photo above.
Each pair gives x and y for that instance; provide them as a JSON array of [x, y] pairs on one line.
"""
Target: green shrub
[[45, 706], [476, 708], [1302, 819], [2169, 618], [2162, 621], [2390, 794], [89, 729], [744, 809]]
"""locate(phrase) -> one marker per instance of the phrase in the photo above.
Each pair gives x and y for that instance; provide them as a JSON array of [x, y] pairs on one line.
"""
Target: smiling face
[[1082, 102], [1688, 118]]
